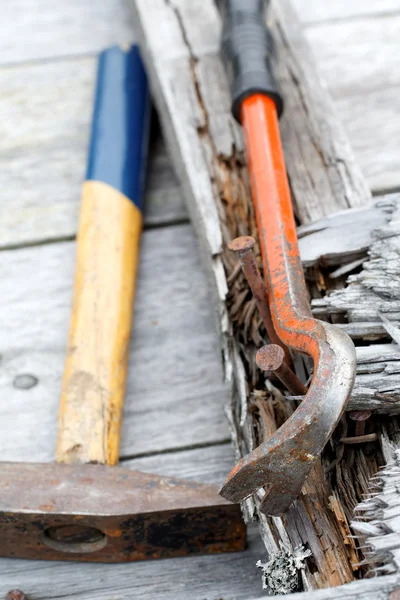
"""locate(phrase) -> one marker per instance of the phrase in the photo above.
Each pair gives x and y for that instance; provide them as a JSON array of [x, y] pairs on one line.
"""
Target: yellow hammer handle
[[108, 240]]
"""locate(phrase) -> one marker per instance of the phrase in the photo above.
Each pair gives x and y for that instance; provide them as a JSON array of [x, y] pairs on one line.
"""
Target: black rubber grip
[[247, 48]]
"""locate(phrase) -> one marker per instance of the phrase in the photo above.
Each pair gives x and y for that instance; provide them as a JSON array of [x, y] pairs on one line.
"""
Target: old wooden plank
[[175, 392], [344, 236], [359, 61], [46, 110], [321, 165], [228, 576], [190, 89], [358, 56], [372, 123], [59, 29], [378, 588], [207, 464], [42, 180], [311, 12]]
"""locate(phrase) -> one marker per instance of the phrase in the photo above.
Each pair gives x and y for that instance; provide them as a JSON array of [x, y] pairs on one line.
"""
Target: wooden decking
[[174, 420]]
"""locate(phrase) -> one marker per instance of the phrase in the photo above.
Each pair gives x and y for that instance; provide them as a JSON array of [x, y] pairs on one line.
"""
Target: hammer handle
[[110, 225]]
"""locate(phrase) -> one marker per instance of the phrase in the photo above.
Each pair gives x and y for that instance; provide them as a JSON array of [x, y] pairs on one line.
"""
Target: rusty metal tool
[[282, 463], [82, 507]]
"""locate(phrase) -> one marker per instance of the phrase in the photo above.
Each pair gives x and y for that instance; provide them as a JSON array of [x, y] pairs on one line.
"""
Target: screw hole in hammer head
[[75, 539]]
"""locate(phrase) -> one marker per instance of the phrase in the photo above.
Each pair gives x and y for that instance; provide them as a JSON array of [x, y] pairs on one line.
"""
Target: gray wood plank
[[46, 112], [312, 12], [378, 588], [175, 392], [208, 464], [318, 156], [346, 235], [360, 61], [52, 29], [228, 576], [372, 122], [43, 149], [357, 56]]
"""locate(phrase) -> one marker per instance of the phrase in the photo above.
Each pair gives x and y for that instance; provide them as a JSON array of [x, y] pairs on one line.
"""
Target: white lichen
[[281, 573]]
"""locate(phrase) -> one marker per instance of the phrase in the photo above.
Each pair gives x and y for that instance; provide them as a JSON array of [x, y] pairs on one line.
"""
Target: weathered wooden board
[[323, 174], [206, 464], [46, 111], [175, 393], [57, 29], [46, 126], [360, 63], [52, 29], [372, 123], [344, 236], [359, 56], [378, 588], [311, 12]]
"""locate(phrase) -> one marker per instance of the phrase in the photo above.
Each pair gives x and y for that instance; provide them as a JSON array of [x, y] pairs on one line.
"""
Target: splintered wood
[[180, 46]]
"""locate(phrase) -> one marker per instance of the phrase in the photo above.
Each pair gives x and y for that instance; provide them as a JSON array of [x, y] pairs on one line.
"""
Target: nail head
[[270, 357], [242, 243]]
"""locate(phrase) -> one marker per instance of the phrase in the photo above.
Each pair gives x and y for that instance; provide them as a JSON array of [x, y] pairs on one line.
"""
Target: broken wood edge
[[384, 588]]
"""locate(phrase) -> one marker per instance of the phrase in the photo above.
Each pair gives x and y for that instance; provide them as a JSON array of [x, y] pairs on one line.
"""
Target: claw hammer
[[82, 507], [281, 463]]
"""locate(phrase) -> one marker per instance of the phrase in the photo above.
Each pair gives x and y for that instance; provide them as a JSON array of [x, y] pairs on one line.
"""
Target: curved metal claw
[[282, 463]]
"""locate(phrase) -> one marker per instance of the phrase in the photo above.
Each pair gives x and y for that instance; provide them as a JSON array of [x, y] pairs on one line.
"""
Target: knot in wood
[[25, 381]]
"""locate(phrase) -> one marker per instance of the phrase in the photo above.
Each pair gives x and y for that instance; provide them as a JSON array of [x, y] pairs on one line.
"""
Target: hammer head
[[110, 514]]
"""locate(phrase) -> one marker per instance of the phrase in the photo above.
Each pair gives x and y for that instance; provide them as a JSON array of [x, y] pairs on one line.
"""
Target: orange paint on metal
[[276, 224]]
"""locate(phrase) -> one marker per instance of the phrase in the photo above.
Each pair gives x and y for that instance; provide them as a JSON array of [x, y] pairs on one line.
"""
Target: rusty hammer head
[[110, 514]]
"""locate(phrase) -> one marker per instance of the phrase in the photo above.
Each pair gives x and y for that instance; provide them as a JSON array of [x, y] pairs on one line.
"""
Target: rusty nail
[[359, 439], [271, 358], [243, 246], [15, 595], [360, 416]]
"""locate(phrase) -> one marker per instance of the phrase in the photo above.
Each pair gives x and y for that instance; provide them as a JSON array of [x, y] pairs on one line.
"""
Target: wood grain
[[359, 61], [359, 56], [46, 111], [93, 388], [378, 588], [44, 144], [312, 12], [372, 123], [323, 174], [347, 235], [174, 347], [52, 30]]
